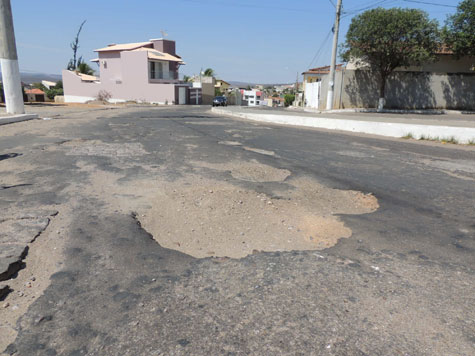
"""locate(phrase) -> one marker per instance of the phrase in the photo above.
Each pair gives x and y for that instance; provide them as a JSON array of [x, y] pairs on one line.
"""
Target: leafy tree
[[51, 93], [248, 87], [217, 92], [209, 72], [56, 90], [385, 39], [289, 99], [84, 68], [459, 30], [186, 78], [73, 62], [39, 86]]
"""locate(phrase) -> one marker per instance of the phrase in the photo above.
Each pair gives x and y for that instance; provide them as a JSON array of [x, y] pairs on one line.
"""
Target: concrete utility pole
[[9, 61], [331, 83]]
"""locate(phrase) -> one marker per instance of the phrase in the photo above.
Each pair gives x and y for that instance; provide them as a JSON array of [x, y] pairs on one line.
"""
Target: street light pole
[[9, 61], [331, 83]]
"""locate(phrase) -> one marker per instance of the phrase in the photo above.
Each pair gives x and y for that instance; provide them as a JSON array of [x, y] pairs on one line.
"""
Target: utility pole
[[9, 61], [331, 83]]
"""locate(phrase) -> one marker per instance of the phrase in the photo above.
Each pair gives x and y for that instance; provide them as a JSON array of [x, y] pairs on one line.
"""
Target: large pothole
[[206, 218]]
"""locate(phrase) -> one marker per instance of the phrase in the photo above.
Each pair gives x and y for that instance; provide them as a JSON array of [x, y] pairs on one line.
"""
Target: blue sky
[[265, 41]]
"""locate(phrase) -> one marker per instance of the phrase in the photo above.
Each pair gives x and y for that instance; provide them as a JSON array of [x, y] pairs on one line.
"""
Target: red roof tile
[[34, 91]]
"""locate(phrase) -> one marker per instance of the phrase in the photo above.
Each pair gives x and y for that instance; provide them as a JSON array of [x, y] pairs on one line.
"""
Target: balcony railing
[[163, 75]]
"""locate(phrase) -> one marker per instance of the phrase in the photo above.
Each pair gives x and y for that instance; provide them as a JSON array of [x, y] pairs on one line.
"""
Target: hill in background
[[31, 77]]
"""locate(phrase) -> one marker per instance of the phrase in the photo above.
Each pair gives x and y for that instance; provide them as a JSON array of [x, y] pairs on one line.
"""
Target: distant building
[[275, 101], [48, 84], [252, 97], [142, 72], [222, 86], [35, 95], [206, 85]]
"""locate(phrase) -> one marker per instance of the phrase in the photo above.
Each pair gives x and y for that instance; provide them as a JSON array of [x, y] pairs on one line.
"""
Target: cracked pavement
[[402, 283]]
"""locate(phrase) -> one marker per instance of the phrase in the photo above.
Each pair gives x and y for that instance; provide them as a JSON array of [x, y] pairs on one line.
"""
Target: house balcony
[[163, 77]]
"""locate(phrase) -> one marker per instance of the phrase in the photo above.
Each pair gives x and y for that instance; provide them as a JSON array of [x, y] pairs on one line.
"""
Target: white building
[[252, 97]]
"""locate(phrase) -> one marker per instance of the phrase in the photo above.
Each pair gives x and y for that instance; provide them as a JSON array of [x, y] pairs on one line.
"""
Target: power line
[[429, 3], [250, 6], [380, 2], [331, 1], [320, 49], [368, 6]]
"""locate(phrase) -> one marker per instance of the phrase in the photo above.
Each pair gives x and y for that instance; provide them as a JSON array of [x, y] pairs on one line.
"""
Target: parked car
[[220, 101]]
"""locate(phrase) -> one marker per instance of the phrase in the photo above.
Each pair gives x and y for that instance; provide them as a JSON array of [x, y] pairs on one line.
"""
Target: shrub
[[289, 99], [103, 95]]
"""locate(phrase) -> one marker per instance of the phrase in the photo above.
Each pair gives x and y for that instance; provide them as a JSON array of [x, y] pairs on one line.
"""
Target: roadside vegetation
[[459, 30], [442, 140], [289, 99], [385, 39], [51, 92]]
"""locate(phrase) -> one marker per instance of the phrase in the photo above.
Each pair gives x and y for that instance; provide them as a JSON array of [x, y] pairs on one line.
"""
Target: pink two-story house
[[142, 72]]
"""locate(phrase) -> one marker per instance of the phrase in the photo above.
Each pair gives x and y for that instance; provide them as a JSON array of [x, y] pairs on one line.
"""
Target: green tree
[[186, 78], [56, 90], [385, 39], [84, 68], [289, 99], [217, 92], [39, 86], [51, 93], [459, 30], [209, 72]]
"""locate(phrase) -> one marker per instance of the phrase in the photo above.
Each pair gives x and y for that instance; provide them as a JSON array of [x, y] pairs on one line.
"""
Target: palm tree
[[209, 72], [186, 78], [84, 68]]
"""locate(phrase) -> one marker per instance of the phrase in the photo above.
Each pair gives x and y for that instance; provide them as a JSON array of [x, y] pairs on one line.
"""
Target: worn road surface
[[178, 232]]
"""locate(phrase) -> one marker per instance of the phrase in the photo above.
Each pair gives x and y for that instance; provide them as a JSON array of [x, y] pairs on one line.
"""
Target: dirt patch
[[258, 150], [205, 217], [218, 219], [251, 171], [98, 148], [230, 143]]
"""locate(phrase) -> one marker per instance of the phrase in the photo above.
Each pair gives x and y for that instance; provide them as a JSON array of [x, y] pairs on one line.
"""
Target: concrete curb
[[391, 129], [17, 118], [387, 111]]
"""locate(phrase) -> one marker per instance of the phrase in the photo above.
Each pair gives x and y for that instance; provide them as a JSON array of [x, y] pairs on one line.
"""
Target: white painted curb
[[391, 129]]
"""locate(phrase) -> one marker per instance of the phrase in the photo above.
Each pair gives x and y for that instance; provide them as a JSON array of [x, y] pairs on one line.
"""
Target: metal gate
[[312, 94]]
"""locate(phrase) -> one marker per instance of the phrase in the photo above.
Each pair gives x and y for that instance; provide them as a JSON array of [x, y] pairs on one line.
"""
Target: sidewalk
[[9, 119], [460, 127]]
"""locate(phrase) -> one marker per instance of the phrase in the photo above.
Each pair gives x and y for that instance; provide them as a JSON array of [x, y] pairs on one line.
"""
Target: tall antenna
[[164, 33]]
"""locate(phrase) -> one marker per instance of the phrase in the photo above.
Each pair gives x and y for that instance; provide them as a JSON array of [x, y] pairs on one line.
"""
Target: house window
[[160, 70], [152, 70], [156, 70]]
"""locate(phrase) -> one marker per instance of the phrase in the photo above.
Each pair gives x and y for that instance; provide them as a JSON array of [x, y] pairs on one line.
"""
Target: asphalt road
[[403, 284]]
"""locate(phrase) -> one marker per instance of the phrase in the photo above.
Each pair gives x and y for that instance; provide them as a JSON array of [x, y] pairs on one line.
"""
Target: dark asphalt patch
[[9, 155]]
